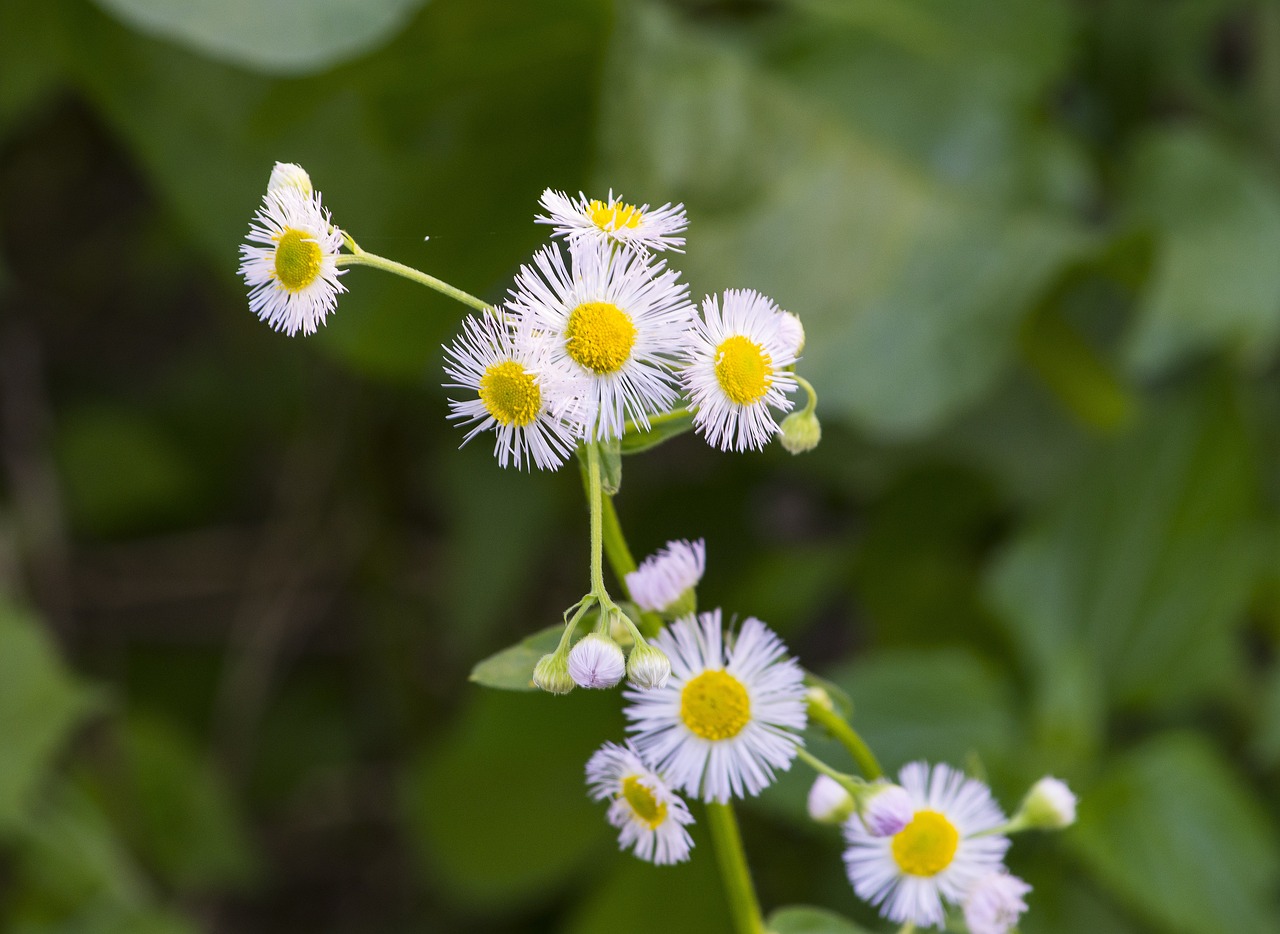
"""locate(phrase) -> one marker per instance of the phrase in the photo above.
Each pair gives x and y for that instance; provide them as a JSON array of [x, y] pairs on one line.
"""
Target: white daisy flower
[[617, 322], [596, 661], [613, 220], [995, 903], [290, 261], [729, 716], [650, 815], [736, 373], [938, 856], [663, 580], [288, 175], [517, 392]]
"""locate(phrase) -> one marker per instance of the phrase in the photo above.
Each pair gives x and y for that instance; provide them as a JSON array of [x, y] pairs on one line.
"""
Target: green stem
[[622, 563], [855, 786], [656, 422], [835, 724], [595, 498], [813, 396], [744, 906], [361, 258]]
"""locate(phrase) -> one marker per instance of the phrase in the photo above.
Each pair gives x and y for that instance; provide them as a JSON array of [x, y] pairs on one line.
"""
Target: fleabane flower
[[613, 220], [736, 370], [939, 856], [513, 390], [650, 815], [596, 661], [664, 581], [290, 262], [612, 319], [729, 716], [995, 903]]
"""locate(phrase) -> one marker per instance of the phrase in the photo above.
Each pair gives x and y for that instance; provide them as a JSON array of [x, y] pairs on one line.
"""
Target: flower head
[[650, 815], [940, 855], [614, 221], [290, 261], [648, 666], [995, 903], [551, 674], [286, 175], [793, 332], [886, 809], [829, 802], [613, 321], [731, 713], [513, 389], [664, 581], [736, 370], [596, 662], [1049, 805]]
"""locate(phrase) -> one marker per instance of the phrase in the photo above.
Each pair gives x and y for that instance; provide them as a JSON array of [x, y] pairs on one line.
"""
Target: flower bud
[[829, 801], [596, 662], [648, 667], [287, 175], [792, 332], [1049, 805], [552, 674], [800, 431], [995, 903], [886, 809]]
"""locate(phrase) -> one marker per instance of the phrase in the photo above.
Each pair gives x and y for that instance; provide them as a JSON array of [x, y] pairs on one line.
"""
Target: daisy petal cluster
[[665, 579], [995, 903], [641, 228], [650, 816], [290, 260], [729, 716]]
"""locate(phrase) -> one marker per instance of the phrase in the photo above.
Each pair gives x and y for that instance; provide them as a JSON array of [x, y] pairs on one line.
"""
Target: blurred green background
[[243, 578]]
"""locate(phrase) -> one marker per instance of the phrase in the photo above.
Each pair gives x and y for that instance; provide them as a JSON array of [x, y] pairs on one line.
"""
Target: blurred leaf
[[512, 668], [1215, 282], [30, 60], [282, 36], [1265, 747], [910, 291], [500, 808], [1174, 833], [39, 704], [1145, 564], [178, 811], [801, 919]]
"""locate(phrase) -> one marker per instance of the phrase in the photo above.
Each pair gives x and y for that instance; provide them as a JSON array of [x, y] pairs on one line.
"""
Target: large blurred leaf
[[285, 36], [1215, 280], [1142, 570], [512, 668], [910, 289], [1172, 831], [500, 807], [29, 61], [800, 919], [39, 704]]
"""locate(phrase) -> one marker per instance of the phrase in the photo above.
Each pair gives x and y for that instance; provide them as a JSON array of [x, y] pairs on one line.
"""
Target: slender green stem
[[361, 258], [813, 395], [855, 786], [615, 544], [848, 737], [562, 648], [744, 906], [595, 497]]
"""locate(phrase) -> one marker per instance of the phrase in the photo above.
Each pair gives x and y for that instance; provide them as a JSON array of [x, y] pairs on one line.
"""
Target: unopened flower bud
[[829, 801], [792, 332], [1049, 805], [886, 809], [596, 662], [800, 431], [287, 175], [648, 667], [552, 674]]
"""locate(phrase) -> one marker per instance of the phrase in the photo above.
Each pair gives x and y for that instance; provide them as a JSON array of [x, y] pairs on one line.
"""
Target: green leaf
[[269, 35], [801, 919], [1173, 832], [611, 466], [512, 668], [499, 809], [636, 442], [1128, 571], [40, 703], [1215, 282]]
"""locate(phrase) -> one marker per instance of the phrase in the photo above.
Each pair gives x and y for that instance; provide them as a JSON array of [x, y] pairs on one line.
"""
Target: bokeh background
[[243, 578]]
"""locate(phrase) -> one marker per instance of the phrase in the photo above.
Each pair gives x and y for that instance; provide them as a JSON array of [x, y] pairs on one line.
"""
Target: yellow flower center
[[927, 845], [743, 370], [510, 393], [643, 804], [715, 705], [600, 336], [614, 216], [298, 259]]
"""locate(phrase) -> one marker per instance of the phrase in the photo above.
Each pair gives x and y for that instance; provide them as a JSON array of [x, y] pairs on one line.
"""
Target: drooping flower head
[[513, 389], [736, 370], [729, 716], [290, 261], [828, 801], [939, 856], [596, 661], [650, 815], [614, 221], [663, 580], [612, 319]]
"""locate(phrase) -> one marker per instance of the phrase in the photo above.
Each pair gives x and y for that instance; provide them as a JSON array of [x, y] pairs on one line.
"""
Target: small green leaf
[[611, 466], [512, 668], [636, 441], [801, 919]]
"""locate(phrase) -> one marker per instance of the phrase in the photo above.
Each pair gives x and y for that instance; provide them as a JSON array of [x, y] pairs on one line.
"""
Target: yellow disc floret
[[510, 393], [643, 804], [600, 336], [614, 216], [715, 705], [927, 845], [743, 369], [298, 258]]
